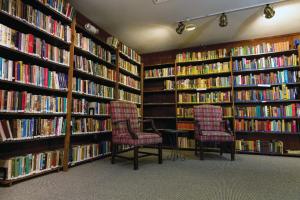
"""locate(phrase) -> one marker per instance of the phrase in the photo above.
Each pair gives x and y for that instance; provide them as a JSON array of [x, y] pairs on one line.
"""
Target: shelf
[[204, 89], [162, 117], [199, 103], [82, 95], [15, 54], [181, 117], [26, 27], [266, 133], [267, 54], [130, 102], [30, 87], [76, 163], [159, 91], [266, 69], [265, 85], [87, 75], [32, 139], [95, 38], [87, 54], [204, 75], [205, 61], [159, 104], [126, 72], [162, 65], [29, 176], [267, 118], [91, 133], [159, 78], [268, 154], [90, 116], [267, 101], [24, 114], [124, 56], [132, 89]]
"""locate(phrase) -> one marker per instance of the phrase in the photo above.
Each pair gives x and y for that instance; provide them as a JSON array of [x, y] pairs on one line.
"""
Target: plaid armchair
[[211, 128], [126, 131]]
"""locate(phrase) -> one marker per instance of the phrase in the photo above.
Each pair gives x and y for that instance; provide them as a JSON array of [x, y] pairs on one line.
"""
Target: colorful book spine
[[214, 68], [130, 82], [201, 56], [82, 106], [200, 83], [90, 125], [60, 6], [127, 96], [162, 72], [268, 147], [169, 85], [133, 69], [212, 97], [130, 53], [183, 112]]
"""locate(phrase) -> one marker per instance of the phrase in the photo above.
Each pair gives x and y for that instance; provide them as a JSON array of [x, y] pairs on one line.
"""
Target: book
[[201, 56], [82, 106], [133, 55], [60, 6], [214, 68], [133, 69], [159, 72], [261, 146], [90, 125], [212, 97], [112, 41], [201, 83], [128, 96], [128, 81]]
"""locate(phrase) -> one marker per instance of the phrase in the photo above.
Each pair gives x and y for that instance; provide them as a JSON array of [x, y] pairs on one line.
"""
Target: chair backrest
[[209, 117], [121, 110]]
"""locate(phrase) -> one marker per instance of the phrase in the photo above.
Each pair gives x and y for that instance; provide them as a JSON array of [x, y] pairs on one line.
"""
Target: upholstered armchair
[[211, 128], [126, 131]]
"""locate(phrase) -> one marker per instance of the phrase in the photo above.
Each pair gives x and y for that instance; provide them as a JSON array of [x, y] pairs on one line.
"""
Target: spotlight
[[180, 28], [223, 20], [90, 28], [190, 27], [269, 12]]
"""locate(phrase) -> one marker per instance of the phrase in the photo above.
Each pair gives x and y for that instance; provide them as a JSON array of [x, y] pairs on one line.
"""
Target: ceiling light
[[180, 28], [269, 12], [90, 28], [223, 20], [159, 1], [190, 27]]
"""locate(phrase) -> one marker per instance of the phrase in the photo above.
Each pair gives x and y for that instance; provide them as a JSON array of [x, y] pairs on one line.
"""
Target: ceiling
[[148, 28]]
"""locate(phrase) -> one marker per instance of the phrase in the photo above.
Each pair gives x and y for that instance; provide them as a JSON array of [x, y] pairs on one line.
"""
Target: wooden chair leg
[[113, 153], [136, 158], [159, 153], [201, 150], [233, 151], [221, 149], [196, 146]]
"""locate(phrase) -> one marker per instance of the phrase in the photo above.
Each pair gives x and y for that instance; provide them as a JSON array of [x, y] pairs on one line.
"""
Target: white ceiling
[[148, 28]]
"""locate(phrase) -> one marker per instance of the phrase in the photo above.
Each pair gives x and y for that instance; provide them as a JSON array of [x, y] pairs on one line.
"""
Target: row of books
[[131, 82], [133, 69], [169, 85], [37, 18], [32, 74], [213, 68], [20, 129], [279, 77], [83, 64], [161, 72], [112, 41], [61, 6], [82, 106], [274, 94], [275, 126], [85, 152], [22, 101], [212, 97], [201, 56], [130, 53], [184, 142], [128, 96], [29, 44], [189, 112], [201, 83], [260, 146], [31, 164], [265, 63], [91, 88], [90, 46], [292, 110], [260, 48], [90, 125], [185, 125]]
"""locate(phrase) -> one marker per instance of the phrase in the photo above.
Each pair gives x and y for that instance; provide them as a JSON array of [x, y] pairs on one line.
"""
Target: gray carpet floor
[[249, 177]]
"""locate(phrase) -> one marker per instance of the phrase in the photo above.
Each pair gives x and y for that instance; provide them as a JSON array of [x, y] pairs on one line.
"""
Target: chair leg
[[113, 153], [159, 153], [221, 149], [196, 146], [136, 158], [201, 150], [233, 151]]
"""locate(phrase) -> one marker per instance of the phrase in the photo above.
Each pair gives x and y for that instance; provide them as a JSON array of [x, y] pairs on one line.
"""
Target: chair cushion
[[214, 136], [143, 139]]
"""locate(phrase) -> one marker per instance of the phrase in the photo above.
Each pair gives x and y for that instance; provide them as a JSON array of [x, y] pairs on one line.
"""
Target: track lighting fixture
[[269, 12], [90, 28], [180, 28], [190, 27], [223, 20]]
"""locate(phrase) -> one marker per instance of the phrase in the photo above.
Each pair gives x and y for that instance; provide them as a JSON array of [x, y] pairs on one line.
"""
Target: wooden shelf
[[126, 72], [161, 65], [204, 75], [90, 96], [159, 91], [35, 138], [267, 118], [87, 75], [268, 154], [77, 163], [159, 78], [267, 54], [124, 56], [131, 89], [161, 117], [91, 133], [130, 102], [204, 89], [267, 101], [199, 103], [266, 133], [90, 116], [264, 85], [204, 61], [87, 54], [266, 69], [24, 114], [159, 104]]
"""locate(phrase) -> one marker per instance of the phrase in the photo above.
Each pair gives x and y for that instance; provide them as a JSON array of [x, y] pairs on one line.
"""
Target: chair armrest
[[151, 121], [198, 127], [226, 124], [128, 126]]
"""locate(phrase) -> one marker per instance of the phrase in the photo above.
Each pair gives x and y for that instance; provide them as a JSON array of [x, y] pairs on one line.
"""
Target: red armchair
[[126, 131], [211, 128]]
